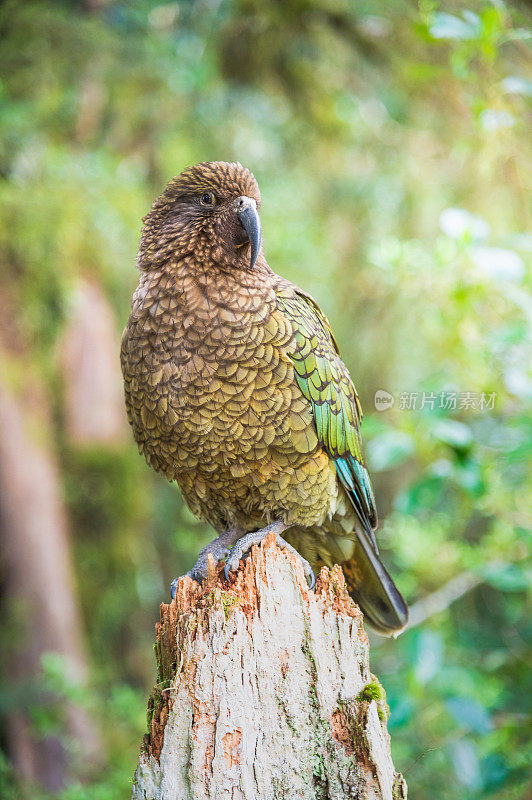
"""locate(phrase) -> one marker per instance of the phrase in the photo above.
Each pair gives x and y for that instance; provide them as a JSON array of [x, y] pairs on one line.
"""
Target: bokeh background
[[391, 141]]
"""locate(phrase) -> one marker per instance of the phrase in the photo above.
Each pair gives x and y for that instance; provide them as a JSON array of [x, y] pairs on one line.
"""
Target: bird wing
[[325, 382]]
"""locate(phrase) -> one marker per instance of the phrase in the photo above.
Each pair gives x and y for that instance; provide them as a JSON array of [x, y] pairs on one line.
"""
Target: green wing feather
[[324, 380]]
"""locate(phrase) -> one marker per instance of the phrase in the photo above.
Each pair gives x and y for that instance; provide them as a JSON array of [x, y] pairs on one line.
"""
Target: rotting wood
[[264, 691]]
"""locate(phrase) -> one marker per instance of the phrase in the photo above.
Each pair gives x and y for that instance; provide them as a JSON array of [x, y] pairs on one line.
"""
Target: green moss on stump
[[371, 691], [155, 702], [229, 603]]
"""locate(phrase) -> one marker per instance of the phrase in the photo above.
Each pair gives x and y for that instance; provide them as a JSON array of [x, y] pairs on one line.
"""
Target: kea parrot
[[236, 390]]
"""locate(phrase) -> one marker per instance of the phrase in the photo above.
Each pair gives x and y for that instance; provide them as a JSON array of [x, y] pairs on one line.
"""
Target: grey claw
[[196, 575], [218, 549], [173, 587], [231, 565], [243, 549]]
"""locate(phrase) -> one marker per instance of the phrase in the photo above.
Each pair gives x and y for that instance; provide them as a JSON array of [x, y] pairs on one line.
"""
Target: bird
[[235, 389]]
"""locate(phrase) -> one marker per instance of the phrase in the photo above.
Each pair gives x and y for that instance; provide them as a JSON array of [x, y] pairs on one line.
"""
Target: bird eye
[[207, 199]]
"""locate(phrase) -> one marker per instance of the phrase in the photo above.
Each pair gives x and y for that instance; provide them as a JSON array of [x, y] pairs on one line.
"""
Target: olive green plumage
[[235, 388]]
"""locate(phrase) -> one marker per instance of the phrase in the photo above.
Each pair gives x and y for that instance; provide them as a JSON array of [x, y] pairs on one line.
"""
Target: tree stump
[[264, 691]]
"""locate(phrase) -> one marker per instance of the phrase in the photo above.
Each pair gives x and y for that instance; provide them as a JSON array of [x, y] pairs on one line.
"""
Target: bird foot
[[244, 545], [218, 548]]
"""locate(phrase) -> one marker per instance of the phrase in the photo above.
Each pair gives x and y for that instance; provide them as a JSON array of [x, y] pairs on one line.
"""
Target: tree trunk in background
[[264, 691], [37, 576], [94, 411]]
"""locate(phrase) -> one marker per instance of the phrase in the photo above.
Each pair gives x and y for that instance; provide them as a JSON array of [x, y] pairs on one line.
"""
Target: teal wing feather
[[325, 381]]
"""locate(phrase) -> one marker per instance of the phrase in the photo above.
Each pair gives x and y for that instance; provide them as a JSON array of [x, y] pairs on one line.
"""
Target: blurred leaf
[[429, 656], [389, 449], [452, 432], [514, 84], [447, 26], [466, 763], [508, 577], [469, 714], [457, 223], [493, 120]]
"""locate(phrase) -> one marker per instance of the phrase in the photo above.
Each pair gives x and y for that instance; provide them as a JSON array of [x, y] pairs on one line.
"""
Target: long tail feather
[[372, 588]]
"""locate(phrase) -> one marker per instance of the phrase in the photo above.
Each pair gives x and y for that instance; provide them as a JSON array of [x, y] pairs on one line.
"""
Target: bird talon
[[173, 587], [196, 575], [230, 567]]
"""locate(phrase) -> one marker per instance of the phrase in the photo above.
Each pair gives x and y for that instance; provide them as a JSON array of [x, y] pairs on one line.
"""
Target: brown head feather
[[224, 178], [177, 224]]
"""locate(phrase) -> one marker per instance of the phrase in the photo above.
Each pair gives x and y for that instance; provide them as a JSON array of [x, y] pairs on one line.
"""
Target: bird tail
[[372, 588]]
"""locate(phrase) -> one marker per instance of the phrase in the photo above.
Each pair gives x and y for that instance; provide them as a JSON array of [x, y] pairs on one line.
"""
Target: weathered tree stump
[[264, 691]]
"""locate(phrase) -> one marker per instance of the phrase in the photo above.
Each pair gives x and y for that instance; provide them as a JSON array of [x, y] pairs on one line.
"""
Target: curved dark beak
[[246, 211]]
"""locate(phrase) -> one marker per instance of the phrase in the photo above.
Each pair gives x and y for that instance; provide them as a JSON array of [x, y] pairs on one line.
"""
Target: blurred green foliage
[[396, 136]]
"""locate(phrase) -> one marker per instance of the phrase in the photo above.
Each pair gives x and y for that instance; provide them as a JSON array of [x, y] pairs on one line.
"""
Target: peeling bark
[[264, 691]]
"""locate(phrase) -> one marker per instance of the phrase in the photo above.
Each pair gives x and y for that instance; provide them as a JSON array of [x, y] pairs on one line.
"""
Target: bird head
[[210, 210]]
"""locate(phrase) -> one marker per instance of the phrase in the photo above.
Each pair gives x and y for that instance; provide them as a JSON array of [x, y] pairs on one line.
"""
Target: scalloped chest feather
[[211, 393]]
